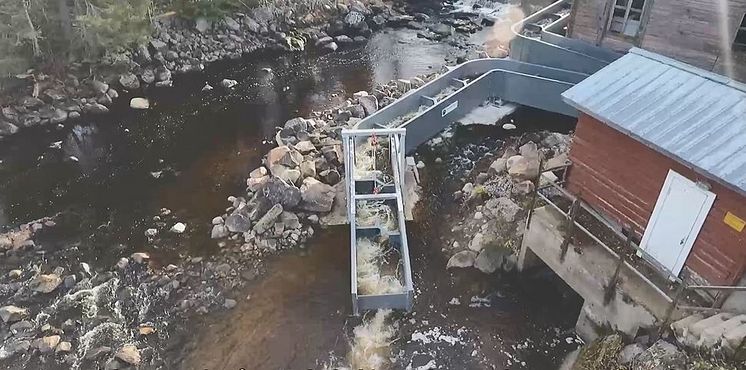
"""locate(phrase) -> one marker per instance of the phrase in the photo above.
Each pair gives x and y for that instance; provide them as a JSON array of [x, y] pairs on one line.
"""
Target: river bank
[[96, 285]]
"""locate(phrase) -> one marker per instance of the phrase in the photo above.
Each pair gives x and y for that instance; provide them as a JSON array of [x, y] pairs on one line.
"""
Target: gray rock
[[498, 166], [343, 40], [219, 232], [139, 103], [259, 172], [151, 233], [64, 347], [159, 46], [218, 221], [252, 25], [46, 344], [228, 83], [60, 116], [12, 313], [22, 326], [13, 347], [290, 220], [324, 40], [231, 24], [489, 260], [202, 25], [129, 354], [660, 356], [285, 173], [97, 352], [268, 220], [148, 76], [278, 192], [529, 150], [503, 208], [237, 223], [95, 108], [462, 259], [523, 168], [308, 169], [178, 228], [45, 283], [140, 257], [305, 147], [441, 29], [99, 87], [123, 263], [629, 353], [369, 103], [7, 128], [331, 47], [230, 303]]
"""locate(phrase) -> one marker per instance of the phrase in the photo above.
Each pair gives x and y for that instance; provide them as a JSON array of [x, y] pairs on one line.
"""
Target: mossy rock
[[601, 354]]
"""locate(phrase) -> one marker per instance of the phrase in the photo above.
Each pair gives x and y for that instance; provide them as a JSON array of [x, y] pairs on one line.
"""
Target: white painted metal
[[680, 212]]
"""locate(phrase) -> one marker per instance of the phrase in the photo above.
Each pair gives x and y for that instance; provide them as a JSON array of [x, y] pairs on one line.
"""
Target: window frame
[[628, 9], [735, 45]]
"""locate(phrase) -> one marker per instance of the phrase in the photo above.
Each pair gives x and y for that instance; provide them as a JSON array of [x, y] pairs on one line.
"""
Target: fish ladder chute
[[374, 174]]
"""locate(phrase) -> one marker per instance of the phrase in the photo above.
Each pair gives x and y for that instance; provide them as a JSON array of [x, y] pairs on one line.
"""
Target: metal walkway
[[423, 113]]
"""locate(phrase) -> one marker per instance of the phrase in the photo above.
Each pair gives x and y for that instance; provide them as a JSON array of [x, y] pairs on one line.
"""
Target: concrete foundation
[[635, 303]]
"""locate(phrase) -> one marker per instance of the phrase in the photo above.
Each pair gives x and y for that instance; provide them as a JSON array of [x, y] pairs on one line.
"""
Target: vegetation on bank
[[50, 34]]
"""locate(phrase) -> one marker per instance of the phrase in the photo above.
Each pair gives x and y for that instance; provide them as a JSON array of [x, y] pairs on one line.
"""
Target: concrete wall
[[687, 30], [621, 178]]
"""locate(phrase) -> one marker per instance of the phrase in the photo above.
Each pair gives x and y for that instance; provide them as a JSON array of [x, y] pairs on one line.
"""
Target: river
[[111, 174]]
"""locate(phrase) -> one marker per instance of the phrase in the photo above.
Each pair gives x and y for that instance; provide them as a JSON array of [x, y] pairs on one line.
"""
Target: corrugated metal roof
[[695, 116]]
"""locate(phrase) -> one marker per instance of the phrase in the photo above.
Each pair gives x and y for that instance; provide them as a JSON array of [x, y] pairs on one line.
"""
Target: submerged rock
[[489, 260], [129, 354], [12, 313], [462, 259], [47, 344]]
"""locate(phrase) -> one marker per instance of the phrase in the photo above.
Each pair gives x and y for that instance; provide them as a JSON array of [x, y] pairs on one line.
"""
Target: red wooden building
[[661, 145]]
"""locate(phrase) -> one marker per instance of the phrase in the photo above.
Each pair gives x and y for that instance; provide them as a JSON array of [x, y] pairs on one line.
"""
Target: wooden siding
[[622, 178], [686, 30]]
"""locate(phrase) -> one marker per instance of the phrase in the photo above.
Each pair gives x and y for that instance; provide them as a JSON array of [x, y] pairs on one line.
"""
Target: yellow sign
[[734, 221]]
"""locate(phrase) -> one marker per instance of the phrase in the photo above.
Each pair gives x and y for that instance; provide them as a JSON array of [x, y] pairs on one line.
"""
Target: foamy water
[[370, 279]]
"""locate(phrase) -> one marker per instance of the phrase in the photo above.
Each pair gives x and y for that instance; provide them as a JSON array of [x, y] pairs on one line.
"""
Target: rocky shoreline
[[181, 46]]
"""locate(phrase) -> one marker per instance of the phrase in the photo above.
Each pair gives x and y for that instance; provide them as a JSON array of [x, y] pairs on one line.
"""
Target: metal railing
[[571, 225]]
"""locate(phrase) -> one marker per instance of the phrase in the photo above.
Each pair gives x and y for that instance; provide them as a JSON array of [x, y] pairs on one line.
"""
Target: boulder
[[277, 191], [498, 166], [285, 173], [46, 344], [129, 354], [252, 25], [557, 161], [343, 40], [158, 46], [276, 154], [140, 257], [64, 347], [148, 76], [255, 184], [238, 223], [462, 259], [268, 220], [12, 313], [523, 168], [13, 347], [316, 196], [219, 232], [296, 124], [45, 283], [503, 208], [259, 172], [290, 220], [330, 47], [489, 260], [202, 25], [477, 242], [162, 74], [98, 87], [129, 81], [59, 116], [369, 104], [529, 150], [139, 103], [231, 24], [629, 353], [305, 147], [524, 187], [308, 169]]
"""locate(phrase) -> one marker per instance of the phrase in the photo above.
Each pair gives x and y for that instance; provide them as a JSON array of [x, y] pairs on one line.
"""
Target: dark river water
[[193, 149]]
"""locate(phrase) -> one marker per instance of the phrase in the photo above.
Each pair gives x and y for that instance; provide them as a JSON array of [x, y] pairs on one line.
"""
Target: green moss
[[601, 354]]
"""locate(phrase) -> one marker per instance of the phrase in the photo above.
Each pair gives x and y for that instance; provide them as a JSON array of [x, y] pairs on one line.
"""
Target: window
[[739, 44], [626, 16]]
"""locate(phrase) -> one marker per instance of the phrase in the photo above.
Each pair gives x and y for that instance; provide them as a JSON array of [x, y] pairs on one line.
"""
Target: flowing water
[[193, 149]]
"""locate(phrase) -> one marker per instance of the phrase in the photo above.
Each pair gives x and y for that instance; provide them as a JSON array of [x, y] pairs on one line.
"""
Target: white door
[[678, 216]]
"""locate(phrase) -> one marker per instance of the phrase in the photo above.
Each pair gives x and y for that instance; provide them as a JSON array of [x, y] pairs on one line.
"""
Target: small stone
[[207, 87], [15, 274], [22, 326], [140, 257], [150, 233], [229, 303], [218, 220], [129, 354], [178, 228], [509, 126], [228, 83], [478, 216], [46, 344], [420, 165], [146, 330], [123, 263], [139, 103], [46, 283], [259, 172], [64, 347]]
